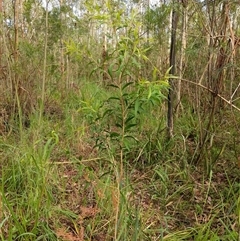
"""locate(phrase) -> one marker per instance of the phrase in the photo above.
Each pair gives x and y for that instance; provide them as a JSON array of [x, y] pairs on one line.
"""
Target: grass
[[56, 186]]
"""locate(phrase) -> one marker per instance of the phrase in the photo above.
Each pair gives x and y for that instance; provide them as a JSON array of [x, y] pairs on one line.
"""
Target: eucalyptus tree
[[172, 62], [184, 22]]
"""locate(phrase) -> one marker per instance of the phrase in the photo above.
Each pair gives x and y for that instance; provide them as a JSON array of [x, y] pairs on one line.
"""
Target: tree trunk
[[172, 70], [15, 83], [182, 55], [44, 66]]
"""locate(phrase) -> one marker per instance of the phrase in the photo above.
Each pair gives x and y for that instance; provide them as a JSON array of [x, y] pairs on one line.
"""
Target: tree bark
[[182, 55], [172, 70]]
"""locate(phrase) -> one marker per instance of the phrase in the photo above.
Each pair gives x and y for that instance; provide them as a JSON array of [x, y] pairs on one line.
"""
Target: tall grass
[[58, 183], [27, 181]]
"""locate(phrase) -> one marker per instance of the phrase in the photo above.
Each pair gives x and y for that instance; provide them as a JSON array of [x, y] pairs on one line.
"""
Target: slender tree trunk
[[44, 66], [148, 31], [15, 48], [182, 55], [64, 84], [104, 55], [172, 70], [16, 87], [233, 44]]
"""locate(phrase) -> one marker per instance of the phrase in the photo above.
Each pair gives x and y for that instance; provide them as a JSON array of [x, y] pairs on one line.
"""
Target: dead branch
[[229, 102]]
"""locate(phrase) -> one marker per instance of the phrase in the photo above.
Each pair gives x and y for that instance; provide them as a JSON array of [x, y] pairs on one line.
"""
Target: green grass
[[56, 186]]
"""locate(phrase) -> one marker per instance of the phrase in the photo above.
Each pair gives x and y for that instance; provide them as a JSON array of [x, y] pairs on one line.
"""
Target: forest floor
[[57, 185]]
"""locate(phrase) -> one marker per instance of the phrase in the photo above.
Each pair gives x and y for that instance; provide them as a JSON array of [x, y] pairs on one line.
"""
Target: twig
[[235, 91], [213, 92]]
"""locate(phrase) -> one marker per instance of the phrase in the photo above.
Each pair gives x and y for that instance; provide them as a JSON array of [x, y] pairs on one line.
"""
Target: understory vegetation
[[85, 151]]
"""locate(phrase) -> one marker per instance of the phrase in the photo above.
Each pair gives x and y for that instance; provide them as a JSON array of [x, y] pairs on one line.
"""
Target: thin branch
[[235, 91], [213, 92]]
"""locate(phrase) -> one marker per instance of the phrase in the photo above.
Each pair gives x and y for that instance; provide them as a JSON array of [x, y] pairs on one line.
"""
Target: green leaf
[[136, 107], [114, 86], [149, 93], [107, 112], [131, 137], [129, 119], [110, 72], [118, 125], [113, 98], [155, 71], [93, 71], [126, 85], [128, 127], [114, 134], [135, 62], [125, 95]]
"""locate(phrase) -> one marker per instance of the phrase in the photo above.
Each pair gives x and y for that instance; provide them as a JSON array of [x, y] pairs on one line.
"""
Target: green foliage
[[57, 27], [157, 18], [106, 88], [122, 112], [92, 98], [27, 193], [27, 9]]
